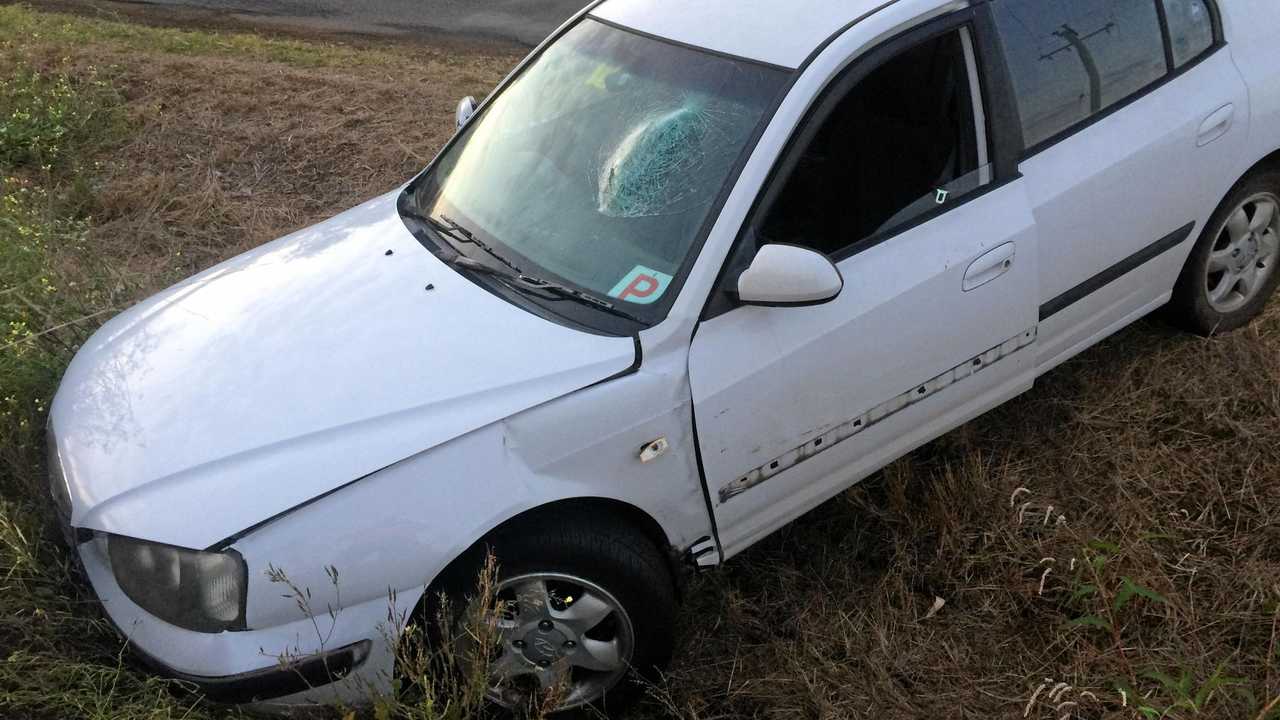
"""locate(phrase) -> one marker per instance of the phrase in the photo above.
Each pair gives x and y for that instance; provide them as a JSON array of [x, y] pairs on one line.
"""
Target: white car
[[693, 269]]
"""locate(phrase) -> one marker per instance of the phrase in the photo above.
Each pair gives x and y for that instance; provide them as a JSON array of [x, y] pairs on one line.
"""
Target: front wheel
[[585, 607], [1232, 271]]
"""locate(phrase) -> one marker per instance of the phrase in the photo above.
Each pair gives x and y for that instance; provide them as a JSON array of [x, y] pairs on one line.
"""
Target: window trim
[[984, 136], [1219, 37], [987, 94], [992, 92], [969, 44], [1171, 74], [1163, 14]]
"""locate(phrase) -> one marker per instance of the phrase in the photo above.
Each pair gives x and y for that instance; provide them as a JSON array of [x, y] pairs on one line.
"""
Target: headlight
[[199, 591]]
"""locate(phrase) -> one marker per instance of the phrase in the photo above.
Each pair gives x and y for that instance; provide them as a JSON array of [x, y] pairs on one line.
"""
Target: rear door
[[895, 177], [1133, 121]]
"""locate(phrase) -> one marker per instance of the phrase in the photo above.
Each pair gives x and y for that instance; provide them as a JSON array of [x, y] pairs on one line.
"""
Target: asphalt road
[[523, 21]]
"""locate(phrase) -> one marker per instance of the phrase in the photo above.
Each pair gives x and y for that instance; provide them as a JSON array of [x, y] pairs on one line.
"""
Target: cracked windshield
[[600, 165]]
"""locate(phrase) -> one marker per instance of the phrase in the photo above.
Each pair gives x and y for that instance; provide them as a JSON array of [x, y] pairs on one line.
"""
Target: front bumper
[[289, 665], [295, 676]]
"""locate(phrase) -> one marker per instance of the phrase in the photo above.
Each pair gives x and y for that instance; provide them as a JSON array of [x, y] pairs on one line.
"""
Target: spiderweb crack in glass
[[646, 175]]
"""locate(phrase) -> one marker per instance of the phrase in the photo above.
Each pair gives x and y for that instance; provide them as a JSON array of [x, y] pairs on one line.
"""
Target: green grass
[[44, 116], [22, 25], [50, 123], [32, 355], [60, 661]]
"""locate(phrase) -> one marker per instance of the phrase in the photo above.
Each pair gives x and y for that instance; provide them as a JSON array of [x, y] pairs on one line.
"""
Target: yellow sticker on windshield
[[604, 77], [600, 78], [642, 286]]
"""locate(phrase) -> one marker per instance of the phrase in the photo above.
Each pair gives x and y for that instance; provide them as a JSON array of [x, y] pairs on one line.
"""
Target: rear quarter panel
[[1252, 28]]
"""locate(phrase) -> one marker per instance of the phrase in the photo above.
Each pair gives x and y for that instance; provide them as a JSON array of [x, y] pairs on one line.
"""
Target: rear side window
[[1072, 60], [1190, 29]]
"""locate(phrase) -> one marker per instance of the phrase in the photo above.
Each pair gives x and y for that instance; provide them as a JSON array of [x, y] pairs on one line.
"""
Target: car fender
[[396, 530]]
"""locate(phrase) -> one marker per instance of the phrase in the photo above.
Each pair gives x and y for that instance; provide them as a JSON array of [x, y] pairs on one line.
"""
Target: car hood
[[293, 370]]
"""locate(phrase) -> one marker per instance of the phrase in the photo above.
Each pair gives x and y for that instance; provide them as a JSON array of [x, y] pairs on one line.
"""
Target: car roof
[[777, 32]]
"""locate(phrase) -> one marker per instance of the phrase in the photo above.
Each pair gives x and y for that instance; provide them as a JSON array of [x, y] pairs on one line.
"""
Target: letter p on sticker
[[641, 286]]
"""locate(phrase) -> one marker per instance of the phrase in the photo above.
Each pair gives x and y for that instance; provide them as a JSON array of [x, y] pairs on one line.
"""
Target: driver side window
[[901, 144]]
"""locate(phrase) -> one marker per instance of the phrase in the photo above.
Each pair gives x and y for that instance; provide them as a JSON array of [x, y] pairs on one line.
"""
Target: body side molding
[[1115, 272]]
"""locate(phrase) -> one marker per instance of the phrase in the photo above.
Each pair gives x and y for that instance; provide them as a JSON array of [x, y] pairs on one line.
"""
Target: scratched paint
[[878, 414]]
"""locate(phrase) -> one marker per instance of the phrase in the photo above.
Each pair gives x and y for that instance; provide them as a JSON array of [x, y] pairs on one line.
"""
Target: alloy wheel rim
[[558, 633], [1244, 254]]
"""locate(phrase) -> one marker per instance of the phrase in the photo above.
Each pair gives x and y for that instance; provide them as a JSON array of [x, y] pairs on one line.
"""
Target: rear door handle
[[989, 266], [1216, 125]]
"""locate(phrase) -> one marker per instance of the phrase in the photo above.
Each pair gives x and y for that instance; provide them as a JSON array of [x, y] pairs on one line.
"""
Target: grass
[[72, 31], [1106, 546], [130, 157]]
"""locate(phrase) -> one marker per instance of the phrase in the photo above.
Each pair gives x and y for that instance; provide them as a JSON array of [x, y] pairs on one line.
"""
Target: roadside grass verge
[[1106, 546], [60, 660], [72, 30], [131, 157]]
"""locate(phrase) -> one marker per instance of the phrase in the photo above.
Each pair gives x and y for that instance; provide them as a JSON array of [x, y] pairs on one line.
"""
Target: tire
[[618, 565], [1200, 303]]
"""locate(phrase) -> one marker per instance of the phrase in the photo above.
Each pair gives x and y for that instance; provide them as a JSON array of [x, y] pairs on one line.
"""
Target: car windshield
[[599, 165]]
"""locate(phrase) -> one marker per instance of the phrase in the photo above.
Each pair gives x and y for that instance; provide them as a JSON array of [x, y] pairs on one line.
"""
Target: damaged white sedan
[[693, 269]]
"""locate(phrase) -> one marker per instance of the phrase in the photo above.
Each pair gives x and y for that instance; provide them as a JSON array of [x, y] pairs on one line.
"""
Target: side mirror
[[466, 108], [789, 275]]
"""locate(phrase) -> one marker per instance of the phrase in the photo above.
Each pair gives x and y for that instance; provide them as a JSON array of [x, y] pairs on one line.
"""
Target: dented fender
[[399, 528]]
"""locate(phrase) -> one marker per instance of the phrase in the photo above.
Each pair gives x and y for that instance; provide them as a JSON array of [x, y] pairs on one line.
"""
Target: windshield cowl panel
[[489, 275], [600, 165]]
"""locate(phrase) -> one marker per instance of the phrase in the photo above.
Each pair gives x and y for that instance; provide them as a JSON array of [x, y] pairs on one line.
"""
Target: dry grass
[[990, 575], [229, 152], [1156, 451]]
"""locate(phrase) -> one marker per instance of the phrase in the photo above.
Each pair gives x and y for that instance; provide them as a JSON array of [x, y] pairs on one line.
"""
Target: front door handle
[[1216, 125], [989, 266]]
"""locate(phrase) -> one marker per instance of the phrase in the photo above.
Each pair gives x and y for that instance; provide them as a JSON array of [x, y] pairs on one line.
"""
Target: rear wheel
[[1232, 271], [586, 606]]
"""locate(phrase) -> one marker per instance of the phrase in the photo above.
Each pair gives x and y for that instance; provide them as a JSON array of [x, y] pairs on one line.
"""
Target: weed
[[443, 665], [1183, 695], [45, 116], [1104, 598]]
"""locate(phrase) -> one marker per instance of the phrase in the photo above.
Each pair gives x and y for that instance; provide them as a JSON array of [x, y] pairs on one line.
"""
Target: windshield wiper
[[524, 283], [448, 226], [568, 293], [531, 285]]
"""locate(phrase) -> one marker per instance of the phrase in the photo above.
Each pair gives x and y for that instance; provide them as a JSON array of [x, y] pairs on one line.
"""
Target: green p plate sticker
[[642, 286]]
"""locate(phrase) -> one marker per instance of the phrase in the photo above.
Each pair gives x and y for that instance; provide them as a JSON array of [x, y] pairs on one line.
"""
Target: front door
[[893, 177]]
